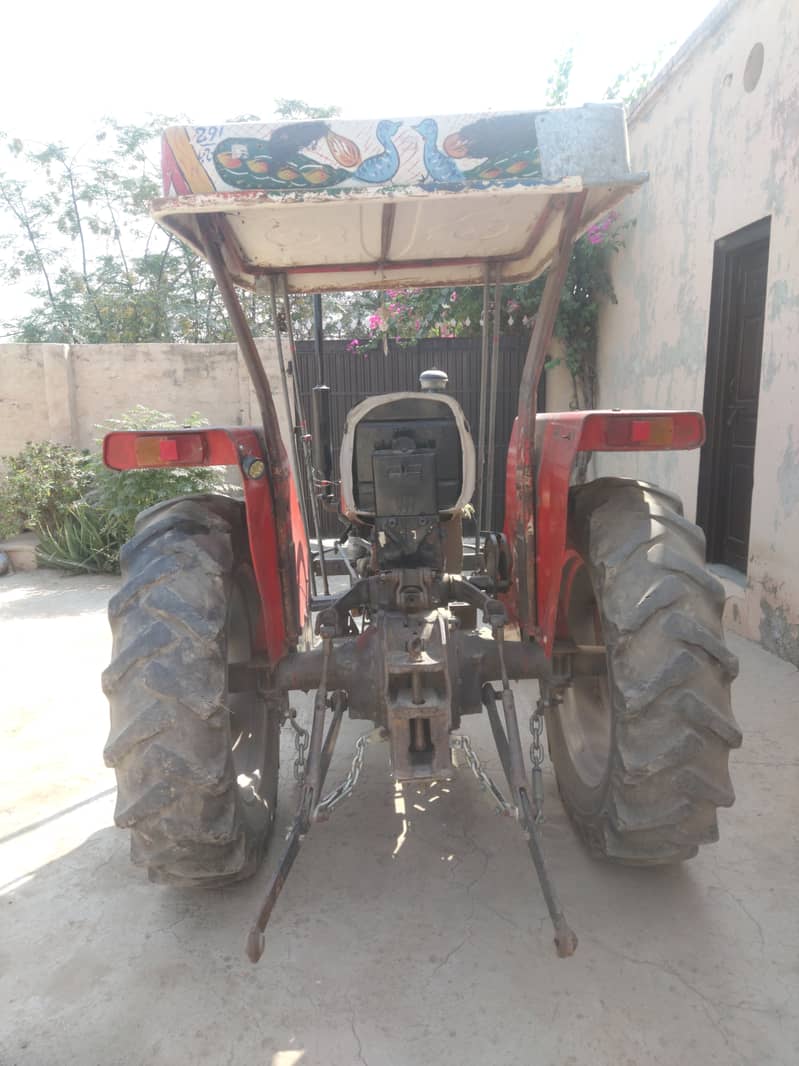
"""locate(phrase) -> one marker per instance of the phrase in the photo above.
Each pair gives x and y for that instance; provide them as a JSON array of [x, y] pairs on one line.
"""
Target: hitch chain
[[460, 742], [328, 802], [302, 739], [537, 759]]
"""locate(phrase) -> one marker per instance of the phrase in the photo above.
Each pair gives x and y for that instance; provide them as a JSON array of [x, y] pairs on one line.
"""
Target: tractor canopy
[[336, 205]]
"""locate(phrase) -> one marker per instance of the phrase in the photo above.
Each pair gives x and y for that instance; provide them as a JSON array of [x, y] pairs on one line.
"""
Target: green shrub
[[88, 536], [82, 540], [121, 494], [39, 485]]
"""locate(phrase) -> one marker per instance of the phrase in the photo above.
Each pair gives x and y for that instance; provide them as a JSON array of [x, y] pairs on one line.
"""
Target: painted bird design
[[287, 142], [439, 167], [493, 137], [515, 168], [247, 163], [506, 144], [280, 162], [384, 165]]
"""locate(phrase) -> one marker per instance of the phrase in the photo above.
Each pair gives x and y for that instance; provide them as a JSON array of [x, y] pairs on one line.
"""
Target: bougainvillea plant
[[412, 314]]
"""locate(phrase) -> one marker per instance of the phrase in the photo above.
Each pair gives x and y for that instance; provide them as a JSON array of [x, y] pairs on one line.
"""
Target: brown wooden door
[[732, 389]]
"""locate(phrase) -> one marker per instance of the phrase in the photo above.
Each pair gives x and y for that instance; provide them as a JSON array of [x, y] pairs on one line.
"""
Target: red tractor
[[597, 590]]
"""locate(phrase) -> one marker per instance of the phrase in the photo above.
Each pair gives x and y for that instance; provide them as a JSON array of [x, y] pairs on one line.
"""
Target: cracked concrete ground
[[411, 929]]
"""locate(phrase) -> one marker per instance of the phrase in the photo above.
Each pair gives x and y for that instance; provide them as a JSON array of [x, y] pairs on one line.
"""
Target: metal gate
[[353, 376]]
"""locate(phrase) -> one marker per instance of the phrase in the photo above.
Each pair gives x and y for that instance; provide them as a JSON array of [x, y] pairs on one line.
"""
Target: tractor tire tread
[[169, 741], [669, 676]]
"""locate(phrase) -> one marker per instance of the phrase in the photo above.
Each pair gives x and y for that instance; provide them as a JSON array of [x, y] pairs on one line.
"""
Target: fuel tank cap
[[433, 380]]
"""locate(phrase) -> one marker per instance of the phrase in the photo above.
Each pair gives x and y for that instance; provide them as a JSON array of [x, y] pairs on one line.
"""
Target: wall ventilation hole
[[754, 67]]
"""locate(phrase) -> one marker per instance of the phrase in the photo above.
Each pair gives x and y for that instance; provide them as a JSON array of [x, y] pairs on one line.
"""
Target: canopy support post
[[492, 406], [318, 337], [249, 350], [523, 536], [275, 451], [548, 310], [300, 438], [290, 415], [481, 420]]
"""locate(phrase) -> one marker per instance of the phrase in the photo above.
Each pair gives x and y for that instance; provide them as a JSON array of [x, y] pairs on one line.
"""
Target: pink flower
[[353, 346], [513, 305], [375, 322], [453, 297], [599, 231]]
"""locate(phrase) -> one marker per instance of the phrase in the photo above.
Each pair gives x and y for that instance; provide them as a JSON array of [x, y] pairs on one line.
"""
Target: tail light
[[640, 430], [170, 451], [131, 450]]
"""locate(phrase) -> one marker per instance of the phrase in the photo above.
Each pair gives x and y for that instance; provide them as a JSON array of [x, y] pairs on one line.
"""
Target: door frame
[[707, 504]]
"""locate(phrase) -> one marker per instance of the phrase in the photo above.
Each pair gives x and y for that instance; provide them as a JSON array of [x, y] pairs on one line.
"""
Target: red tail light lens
[[131, 451], [180, 450], [655, 432], [611, 431]]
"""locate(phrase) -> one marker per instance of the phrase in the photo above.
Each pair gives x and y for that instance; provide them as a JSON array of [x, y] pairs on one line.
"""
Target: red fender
[[538, 517], [284, 596]]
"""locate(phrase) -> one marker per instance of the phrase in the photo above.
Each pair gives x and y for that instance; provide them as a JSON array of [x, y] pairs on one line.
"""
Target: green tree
[[299, 109], [76, 235], [558, 82], [631, 86]]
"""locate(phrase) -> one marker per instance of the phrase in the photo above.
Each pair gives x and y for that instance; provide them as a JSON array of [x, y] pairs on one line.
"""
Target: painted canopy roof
[[424, 201]]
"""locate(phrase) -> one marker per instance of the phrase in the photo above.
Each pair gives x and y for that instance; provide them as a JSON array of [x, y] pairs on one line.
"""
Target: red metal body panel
[[284, 597], [558, 439], [512, 518]]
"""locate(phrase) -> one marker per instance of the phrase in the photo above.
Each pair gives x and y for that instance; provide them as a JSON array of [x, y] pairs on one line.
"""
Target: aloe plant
[[83, 541]]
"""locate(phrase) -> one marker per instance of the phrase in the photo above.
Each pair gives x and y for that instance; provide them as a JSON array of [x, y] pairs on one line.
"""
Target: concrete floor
[[400, 938]]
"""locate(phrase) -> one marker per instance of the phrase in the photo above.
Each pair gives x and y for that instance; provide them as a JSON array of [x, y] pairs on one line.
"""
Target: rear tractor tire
[[195, 751], [641, 753]]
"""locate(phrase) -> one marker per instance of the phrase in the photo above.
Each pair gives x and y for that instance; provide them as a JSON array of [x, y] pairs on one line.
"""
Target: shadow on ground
[[401, 937], [411, 929]]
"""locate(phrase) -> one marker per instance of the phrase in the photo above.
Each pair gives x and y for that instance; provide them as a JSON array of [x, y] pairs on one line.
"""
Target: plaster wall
[[559, 386], [24, 413], [719, 157], [63, 392]]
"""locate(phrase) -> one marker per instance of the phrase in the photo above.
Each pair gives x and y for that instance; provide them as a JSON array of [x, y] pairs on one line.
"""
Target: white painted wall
[[719, 158]]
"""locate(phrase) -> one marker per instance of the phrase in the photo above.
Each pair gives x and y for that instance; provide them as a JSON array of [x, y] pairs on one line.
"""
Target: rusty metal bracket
[[320, 754], [509, 748]]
